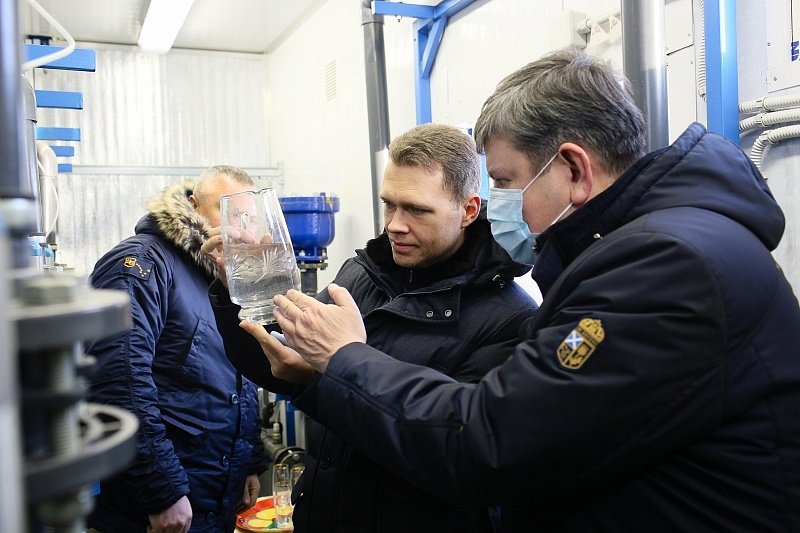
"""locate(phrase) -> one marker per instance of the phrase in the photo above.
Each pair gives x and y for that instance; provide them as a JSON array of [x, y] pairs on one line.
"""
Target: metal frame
[[429, 30]]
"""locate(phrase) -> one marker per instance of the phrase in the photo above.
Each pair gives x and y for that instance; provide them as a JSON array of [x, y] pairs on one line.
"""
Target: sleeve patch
[[581, 342], [136, 267]]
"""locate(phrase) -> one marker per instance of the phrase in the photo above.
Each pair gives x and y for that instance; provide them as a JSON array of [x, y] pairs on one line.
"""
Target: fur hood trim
[[180, 224]]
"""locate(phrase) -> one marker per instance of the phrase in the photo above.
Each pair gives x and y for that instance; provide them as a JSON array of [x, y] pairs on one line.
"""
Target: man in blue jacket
[[436, 290], [658, 388], [199, 448]]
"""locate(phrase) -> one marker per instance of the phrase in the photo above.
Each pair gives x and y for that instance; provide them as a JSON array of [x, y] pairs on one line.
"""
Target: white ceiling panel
[[230, 25]]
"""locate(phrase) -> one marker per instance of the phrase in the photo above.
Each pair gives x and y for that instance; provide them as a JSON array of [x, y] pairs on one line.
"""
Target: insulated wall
[[182, 109]]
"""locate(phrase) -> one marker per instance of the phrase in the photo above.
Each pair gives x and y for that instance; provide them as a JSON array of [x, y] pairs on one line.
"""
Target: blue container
[[310, 223]]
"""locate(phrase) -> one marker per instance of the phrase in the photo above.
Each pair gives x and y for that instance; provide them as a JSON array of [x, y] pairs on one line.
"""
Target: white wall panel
[[181, 109], [760, 46], [323, 141]]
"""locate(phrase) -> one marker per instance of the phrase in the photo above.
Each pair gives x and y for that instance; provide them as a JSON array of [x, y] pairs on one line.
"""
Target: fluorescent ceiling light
[[162, 23]]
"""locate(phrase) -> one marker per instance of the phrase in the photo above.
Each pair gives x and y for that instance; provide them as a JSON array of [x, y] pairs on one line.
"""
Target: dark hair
[[565, 96]]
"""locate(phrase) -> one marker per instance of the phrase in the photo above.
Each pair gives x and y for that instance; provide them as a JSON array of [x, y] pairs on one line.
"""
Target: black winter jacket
[[198, 418], [658, 388], [460, 317]]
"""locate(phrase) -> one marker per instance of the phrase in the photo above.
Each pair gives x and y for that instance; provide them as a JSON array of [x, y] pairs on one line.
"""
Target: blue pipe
[[722, 87]]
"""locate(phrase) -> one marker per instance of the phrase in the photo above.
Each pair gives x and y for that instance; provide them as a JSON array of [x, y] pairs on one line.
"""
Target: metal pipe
[[645, 64], [377, 103], [11, 489], [31, 175], [11, 172], [12, 169]]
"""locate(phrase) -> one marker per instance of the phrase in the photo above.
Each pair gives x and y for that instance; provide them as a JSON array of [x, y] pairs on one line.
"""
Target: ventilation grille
[[330, 81]]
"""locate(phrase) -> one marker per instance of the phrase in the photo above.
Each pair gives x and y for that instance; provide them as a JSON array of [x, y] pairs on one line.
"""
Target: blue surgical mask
[[508, 227]]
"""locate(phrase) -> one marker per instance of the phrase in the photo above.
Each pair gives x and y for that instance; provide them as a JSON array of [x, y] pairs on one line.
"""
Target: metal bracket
[[429, 30]]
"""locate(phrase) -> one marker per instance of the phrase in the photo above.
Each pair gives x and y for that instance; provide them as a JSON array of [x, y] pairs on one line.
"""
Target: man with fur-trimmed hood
[[199, 452]]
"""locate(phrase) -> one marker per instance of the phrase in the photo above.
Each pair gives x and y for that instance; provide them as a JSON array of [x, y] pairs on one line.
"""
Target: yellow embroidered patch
[[137, 267], [580, 343]]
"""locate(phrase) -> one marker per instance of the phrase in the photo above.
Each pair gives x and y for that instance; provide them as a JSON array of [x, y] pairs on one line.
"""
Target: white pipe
[[772, 103], [55, 56], [768, 138], [48, 193], [769, 119], [701, 55]]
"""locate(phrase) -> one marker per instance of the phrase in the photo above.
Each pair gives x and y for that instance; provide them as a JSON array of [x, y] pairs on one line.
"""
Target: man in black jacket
[[434, 290], [658, 388]]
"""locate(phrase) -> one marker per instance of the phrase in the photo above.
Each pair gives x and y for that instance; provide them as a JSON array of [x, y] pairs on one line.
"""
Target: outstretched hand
[[317, 330], [286, 364]]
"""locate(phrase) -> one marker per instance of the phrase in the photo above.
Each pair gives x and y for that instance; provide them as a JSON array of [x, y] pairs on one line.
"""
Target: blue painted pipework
[[722, 87], [428, 30]]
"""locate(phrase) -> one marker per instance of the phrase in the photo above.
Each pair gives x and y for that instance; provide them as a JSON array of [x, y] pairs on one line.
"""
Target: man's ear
[[193, 200], [582, 177], [472, 207]]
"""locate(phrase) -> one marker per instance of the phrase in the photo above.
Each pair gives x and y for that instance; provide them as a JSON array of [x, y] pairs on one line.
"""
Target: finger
[[301, 300], [256, 330], [212, 244], [286, 306], [216, 230], [275, 348], [286, 324], [341, 296], [269, 344]]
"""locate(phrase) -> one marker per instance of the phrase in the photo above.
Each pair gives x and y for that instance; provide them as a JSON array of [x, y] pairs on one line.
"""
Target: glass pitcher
[[258, 254]]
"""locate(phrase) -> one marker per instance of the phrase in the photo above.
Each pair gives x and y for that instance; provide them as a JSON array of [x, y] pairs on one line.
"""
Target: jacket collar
[[698, 170], [173, 217]]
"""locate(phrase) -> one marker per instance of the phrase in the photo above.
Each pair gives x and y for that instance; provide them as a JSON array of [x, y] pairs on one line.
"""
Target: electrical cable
[[769, 138], [771, 103], [701, 56], [769, 119]]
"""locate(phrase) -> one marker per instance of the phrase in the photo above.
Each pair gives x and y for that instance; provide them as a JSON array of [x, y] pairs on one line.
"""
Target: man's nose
[[396, 224]]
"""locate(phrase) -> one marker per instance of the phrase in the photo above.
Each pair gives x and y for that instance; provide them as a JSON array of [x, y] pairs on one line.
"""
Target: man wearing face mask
[[657, 389], [508, 226]]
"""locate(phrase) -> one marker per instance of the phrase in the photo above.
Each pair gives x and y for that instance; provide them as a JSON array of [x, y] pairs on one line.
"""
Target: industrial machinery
[[55, 444]]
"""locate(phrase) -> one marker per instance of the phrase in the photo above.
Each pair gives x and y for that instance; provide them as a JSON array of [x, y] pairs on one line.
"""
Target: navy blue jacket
[[199, 421], [658, 388], [461, 316]]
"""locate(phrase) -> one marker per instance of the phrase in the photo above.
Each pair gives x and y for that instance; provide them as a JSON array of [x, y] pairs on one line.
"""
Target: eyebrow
[[407, 205]]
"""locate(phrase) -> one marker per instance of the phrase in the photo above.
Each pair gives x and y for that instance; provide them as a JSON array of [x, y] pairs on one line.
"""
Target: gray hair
[[432, 146], [565, 96], [234, 173]]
